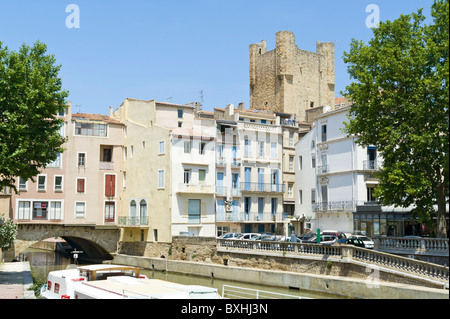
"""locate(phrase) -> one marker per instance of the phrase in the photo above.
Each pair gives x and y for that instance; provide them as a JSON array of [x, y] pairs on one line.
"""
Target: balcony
[[322, 169], [133, 221], [334, 206], [224, 191], [262, 187], [106, 166], [371, 165], [251, 217], [196, 189]]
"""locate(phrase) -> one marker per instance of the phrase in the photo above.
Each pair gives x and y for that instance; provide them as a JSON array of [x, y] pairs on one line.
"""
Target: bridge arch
[[97, 243]]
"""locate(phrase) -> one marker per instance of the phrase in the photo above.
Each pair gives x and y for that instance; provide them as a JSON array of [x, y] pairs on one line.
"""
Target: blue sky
[[171, 50]]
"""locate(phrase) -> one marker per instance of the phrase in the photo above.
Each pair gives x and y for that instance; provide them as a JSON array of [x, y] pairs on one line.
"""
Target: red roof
[[95, 117]]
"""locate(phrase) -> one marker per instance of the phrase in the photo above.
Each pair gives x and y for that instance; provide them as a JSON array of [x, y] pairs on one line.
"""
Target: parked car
[[248, 236], [265, 238], [368, 243], [324, 239], [336, 233], [230, 235], [350, 241]]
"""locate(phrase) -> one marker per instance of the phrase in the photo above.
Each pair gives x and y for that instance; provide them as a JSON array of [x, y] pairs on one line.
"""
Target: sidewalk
[[15, 279]]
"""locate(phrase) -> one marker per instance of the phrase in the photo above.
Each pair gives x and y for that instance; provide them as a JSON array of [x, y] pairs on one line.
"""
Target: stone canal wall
[[341, 286]]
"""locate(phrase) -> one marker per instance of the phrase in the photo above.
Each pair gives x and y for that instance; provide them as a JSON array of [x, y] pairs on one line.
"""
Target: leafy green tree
[[8, 232], [400, 97], [30, 99]]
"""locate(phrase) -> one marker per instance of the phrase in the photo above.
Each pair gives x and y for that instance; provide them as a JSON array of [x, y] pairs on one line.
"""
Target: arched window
[[143, 208], [133, 209]]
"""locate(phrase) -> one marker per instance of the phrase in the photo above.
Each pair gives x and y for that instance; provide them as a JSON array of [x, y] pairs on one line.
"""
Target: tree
[[400, 97], [8, 232], [30, 99]]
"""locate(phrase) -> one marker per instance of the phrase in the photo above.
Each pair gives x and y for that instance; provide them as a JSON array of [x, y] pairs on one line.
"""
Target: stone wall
[[288, 79]]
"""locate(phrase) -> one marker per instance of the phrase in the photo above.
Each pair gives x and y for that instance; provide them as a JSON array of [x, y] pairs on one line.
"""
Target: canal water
[[42, 262]]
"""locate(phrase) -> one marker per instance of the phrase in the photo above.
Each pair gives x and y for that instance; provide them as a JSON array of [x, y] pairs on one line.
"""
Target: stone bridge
[[97, 242]]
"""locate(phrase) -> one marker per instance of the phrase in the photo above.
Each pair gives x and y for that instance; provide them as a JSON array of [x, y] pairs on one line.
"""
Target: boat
[[107, 281]]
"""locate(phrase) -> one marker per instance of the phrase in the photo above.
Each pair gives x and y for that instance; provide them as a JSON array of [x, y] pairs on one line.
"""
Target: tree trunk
[[441, 221]]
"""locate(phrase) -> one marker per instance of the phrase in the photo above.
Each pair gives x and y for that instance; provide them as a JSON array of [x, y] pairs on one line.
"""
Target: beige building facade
[[81, 187]]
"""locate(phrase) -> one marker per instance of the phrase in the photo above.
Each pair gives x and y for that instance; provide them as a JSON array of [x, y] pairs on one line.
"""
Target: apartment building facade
[[81, 187], [253, 170]]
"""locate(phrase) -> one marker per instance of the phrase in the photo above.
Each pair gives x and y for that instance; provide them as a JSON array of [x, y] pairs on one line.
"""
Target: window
[[187, 146], [234, 180], [56, 162], [143, 208], [109, 212], [313, 162], [311, 104], [110, 185], [132, 208], [261, 150], [42, 183], [180, 113], [90, 129], [81, 159], [201, 176], [131, 151], [300, 197], [194, 211], [201, 149], [291, 139], [22, 184], [274, 206], [58, 184], [55, 211], [324, 133], [247, 147], [161, 178], [24, 210], [187, 176], [161, 147], [370, 197], [56, 289], [80, 185], [291, 163], [324, 190], [313, 195], [107, 155], [80, 209], [155, 235], [290, 190], [180, 124], [40, 210], [273, 150], [300, 162]]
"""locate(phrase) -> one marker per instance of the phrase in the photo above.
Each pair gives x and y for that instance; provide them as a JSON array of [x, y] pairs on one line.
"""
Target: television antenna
[[201, 97]]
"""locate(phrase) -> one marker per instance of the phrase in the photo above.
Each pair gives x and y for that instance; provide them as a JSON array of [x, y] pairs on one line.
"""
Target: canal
[[43, 261]]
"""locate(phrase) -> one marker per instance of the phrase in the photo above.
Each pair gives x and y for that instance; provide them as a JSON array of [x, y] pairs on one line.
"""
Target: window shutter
[[110, 185], [80, 185], [203, 208]]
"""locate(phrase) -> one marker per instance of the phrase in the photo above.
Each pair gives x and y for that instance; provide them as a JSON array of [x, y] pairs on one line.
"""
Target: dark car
[[351, 241]]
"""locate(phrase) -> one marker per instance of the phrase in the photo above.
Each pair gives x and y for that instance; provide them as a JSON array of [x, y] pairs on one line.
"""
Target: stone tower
[[290, 80]]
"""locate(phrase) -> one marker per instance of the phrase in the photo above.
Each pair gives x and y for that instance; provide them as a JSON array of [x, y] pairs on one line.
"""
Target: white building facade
[[334, 175], [193, 180]]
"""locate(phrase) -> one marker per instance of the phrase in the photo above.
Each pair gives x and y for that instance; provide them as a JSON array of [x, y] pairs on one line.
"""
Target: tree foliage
[[30, 99], [8, 232], [400, 97]]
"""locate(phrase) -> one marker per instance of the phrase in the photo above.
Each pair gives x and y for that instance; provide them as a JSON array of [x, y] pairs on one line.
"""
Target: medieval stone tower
[[291, 80]]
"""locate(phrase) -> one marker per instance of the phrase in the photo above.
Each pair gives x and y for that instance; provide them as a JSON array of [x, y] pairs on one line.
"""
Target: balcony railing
[[322, 169], [133, 221], [262, 187], [106, 166], [196, 188], [335, 205], [251, 217], [371, 165], [224, 191]]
